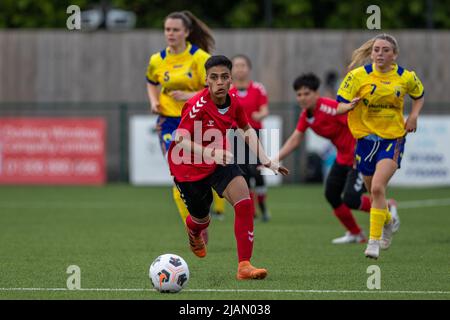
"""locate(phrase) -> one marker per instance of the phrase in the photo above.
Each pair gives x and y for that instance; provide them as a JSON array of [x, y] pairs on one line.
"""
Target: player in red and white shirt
[[199, 160], [344, 185], [253, 97]]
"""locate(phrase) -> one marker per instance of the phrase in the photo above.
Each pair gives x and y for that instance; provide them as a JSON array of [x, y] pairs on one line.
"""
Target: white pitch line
[[318, 291], [424, 203], [234, 290]]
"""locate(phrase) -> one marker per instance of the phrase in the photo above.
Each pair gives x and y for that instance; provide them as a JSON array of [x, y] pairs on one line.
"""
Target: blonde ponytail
[[361, 55]]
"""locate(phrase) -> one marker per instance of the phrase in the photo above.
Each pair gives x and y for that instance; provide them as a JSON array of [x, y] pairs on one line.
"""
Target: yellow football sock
[[182, 210], [377, 221], [219, 203]]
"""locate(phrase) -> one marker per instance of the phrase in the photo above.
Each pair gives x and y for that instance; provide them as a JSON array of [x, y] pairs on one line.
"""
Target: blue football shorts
[[371, 149]]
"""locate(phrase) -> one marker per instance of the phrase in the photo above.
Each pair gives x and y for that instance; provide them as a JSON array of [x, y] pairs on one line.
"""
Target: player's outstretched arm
[[346, 107], [291, 143], [277, 168], [256, 147]]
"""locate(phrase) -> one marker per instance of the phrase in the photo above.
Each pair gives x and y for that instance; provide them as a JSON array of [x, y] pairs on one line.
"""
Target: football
[[169, 273]]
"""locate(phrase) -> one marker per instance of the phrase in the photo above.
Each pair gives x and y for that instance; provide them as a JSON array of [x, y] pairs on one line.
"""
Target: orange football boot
[[246, 271], [196, 243]]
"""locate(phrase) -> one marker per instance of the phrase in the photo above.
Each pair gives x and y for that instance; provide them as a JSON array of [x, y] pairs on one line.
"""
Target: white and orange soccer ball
[[169, 273]]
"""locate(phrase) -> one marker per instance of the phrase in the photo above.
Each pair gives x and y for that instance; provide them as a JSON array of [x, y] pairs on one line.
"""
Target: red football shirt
[[252, 99], [334, 127], [204, 123]]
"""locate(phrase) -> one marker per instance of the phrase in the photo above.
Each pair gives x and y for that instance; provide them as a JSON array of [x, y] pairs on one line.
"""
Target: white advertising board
[[147, 166], [426, 160]]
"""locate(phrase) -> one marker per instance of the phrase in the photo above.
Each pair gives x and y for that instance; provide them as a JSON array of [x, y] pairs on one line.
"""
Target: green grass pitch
[[113, 233]]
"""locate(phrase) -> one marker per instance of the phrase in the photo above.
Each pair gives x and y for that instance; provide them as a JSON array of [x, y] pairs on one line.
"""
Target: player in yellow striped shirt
[[373, 95], [179, 70]]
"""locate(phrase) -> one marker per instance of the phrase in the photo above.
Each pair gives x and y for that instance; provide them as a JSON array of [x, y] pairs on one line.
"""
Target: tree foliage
[[330, 14]]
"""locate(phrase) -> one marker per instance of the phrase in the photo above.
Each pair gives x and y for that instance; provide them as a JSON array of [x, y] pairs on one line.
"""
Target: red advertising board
[[52, 151]]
